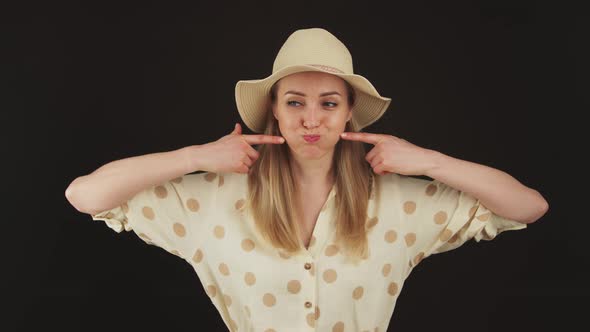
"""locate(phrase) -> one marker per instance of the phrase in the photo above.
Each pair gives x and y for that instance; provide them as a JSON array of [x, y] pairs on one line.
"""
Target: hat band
[[327, 68]]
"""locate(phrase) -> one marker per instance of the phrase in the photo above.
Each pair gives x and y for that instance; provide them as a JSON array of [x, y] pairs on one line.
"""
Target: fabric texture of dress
[[201, 217]]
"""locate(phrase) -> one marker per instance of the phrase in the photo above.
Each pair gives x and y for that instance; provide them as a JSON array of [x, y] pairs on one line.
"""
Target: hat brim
[[252, 97]]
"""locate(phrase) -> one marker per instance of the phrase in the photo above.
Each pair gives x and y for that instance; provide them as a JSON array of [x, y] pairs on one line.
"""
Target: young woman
[[308, 230]]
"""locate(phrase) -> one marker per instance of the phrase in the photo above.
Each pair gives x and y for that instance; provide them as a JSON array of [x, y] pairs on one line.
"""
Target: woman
[[307, 231]]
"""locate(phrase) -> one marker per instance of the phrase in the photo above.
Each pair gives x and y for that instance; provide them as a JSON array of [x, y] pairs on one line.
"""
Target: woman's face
[[311, 103]]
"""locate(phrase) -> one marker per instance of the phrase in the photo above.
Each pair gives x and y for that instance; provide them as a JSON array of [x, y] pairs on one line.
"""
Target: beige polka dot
[[454, 238], [431, 189], [227, 300], [175, 252], [269, 300], [148, 212], [224, 269], [198, 256], [310, 318], [445, 235], [386, 269], [247, 309], [284, 255], [210, 176], [409, 207], [219, 231], [240, 203], [179, 229], [247, 245], [161, 191], [249, 278], [390, 236], [294, 286], [484, 217], [392, 289], [410, 239], [177, 180], [440, 217], [211, 290], [338, 327], [331, 250], [125, 207], [232, 325], [357, 293], [192, 204], [221, 181], [418, 258], [270, 330], [312, 241], [330, 275], [372, 222]]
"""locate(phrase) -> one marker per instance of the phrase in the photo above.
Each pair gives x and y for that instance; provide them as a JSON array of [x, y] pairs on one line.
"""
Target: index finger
[[362, 137], [263, 139]]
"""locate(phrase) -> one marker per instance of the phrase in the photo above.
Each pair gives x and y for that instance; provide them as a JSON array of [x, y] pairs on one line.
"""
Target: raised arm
[[118, 181]]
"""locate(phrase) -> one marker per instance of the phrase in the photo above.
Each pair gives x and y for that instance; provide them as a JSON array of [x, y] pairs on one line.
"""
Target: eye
[[333, 104], [292, 101]]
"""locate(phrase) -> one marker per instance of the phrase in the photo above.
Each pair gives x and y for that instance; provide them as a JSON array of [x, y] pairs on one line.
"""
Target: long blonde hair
[[272, 191]]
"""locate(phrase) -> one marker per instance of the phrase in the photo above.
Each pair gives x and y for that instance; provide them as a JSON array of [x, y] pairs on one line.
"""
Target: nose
[[310, 118]]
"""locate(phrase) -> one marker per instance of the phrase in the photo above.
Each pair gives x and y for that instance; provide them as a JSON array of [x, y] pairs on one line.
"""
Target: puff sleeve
[[440, 218], [169, 215]]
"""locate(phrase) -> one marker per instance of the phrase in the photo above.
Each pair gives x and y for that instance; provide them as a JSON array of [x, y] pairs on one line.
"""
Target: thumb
[[237, 129]]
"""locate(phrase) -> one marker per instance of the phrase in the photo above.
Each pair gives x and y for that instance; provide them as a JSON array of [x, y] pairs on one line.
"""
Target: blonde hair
[[272, 192]]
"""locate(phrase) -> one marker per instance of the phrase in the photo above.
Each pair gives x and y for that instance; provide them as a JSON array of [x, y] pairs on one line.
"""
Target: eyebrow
[[303, 94]]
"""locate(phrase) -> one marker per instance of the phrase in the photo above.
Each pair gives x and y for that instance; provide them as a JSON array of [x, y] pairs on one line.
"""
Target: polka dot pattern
[[269, 300], [294, 286], [330, 275], [409, 207], [199, 216], [357, 293], [390, 236], [193, 205], [179, 229], [248, 245]]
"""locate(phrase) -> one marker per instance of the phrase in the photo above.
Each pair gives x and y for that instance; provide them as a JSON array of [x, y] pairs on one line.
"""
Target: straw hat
[[312, 49]]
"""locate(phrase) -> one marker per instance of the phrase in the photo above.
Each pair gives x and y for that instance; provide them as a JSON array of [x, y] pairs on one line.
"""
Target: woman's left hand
[[394, 155]]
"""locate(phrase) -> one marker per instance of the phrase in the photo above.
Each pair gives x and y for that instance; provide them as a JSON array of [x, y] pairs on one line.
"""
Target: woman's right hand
[[231, 153]]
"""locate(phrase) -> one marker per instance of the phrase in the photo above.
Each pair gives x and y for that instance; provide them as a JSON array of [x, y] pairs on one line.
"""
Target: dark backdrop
[[495, 82]]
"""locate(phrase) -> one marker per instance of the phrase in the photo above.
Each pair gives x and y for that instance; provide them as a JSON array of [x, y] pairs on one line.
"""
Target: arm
[[497, 190], [116, 182]]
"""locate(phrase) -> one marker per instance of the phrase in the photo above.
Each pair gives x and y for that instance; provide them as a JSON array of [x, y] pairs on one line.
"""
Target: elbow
[[541, 210]]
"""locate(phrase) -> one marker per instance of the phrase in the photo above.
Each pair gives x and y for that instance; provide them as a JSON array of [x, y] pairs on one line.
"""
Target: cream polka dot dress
[[202, 218]]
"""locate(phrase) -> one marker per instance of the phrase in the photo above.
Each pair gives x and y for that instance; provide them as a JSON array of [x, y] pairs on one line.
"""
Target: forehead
[[312, 81]]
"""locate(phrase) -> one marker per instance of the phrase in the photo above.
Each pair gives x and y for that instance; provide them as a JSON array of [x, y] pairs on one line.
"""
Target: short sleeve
[[168, 215], [441, 218]]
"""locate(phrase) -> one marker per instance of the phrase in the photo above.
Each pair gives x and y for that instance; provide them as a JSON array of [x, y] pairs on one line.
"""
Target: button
[[308, 304], [307, 266]]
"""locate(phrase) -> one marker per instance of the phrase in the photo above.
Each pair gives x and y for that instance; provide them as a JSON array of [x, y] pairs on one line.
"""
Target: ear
[[349, 116], [274, 112]]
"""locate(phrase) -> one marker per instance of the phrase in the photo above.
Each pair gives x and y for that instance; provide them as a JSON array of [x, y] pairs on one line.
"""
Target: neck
[[313, 172]]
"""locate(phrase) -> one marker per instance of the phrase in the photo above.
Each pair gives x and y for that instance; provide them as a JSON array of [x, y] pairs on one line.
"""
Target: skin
[[312, 114], [327, 116]]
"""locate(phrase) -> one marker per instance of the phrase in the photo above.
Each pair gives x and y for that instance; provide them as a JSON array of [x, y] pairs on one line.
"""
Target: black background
[[499, 83]]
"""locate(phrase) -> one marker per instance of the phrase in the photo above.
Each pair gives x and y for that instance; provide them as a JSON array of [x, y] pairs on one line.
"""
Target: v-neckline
[[320, 229]]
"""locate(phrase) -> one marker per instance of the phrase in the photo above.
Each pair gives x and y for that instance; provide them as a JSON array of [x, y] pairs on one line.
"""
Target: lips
[[311, 138]]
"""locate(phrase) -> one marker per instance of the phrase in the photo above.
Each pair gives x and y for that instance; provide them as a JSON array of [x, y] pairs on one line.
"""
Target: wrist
[[188, 155]]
